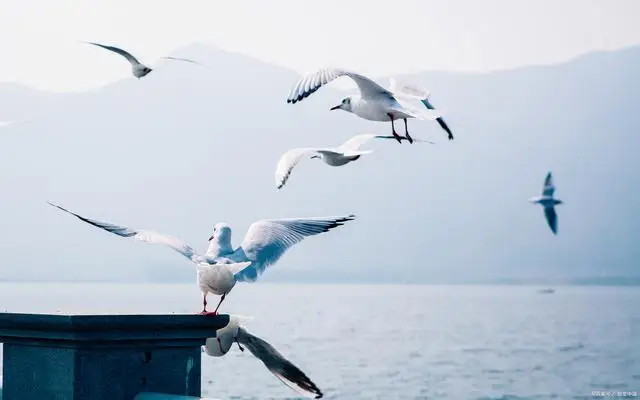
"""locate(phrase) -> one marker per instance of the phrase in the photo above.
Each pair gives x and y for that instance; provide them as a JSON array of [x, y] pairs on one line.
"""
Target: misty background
[[189, 146]]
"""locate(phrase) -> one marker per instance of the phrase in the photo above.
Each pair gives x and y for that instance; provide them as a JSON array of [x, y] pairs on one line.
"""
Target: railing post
[[102, 357]]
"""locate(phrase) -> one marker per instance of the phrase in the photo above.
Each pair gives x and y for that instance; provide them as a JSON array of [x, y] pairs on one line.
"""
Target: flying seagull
[[222, 267], [138, 69], [404, 90], [373, 103], [279, 366], [335, 156], [548, 202]]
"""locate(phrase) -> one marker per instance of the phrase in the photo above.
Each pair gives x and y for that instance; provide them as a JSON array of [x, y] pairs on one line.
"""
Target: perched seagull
[[265, 242], [279, 366], [404, 90], [137, 68], [335, 156], [374, 102], [548, 202]]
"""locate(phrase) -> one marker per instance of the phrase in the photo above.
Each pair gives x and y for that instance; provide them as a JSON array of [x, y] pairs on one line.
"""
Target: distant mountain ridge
[[187, 146]]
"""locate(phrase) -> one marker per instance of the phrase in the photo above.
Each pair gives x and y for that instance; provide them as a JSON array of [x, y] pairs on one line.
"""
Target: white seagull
[[279, 366], [548, 202], [335, 156], [137, 68], [373, 103], [222, 267]]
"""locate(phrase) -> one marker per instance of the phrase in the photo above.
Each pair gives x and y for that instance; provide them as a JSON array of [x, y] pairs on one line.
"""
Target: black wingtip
[[57, 206], [444, 126]]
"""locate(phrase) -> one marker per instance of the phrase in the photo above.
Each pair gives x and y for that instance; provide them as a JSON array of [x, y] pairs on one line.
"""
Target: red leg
[[204, 307]]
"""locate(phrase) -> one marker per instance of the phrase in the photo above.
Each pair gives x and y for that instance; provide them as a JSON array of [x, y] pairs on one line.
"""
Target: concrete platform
[[103, 357]]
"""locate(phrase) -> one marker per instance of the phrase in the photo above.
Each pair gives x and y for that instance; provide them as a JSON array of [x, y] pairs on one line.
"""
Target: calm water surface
[[398, 342]]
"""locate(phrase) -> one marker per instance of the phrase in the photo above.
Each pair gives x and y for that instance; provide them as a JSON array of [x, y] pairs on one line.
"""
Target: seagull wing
[[309, 83], [552, 218], [142, 235], [411, 92], [267, 240], [282, 368], [405, 90], [181, 59], [411, 112], [123, 53], [356, 142], [440, 120], [549, 187], [288, 161]]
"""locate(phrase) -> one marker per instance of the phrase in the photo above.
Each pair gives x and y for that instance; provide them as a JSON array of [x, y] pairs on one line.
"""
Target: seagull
[[222, 267], [335, 156], [373, 103], [138, 69], [404, 90], [279, 366], [548, 202]]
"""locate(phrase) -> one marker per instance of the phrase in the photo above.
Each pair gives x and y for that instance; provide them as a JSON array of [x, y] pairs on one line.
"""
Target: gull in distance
[[548, 202], [138, 69]]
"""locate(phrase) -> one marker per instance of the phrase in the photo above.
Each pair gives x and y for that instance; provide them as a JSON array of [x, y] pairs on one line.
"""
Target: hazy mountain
[[189, 146]]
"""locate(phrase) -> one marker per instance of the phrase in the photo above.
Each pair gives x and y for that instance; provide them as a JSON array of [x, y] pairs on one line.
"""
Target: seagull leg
[[215, 312], [406, 131], [204, 304], [393, 129], [238, 343]]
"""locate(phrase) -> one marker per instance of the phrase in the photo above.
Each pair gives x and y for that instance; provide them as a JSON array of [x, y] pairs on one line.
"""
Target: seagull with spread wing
[[335, 156], [275, 362], [138, 69], [222, 267], [373, 103], [548, 202]]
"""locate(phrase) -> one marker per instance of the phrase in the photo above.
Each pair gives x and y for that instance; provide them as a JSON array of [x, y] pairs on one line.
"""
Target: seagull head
[[141, 70], [221, 232], [219, 345], [345, 104]]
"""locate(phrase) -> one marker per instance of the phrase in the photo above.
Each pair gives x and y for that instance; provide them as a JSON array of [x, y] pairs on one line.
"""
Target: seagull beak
[[336, 107]]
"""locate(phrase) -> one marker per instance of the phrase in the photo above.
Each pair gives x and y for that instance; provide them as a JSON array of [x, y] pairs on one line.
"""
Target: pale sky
[[40, 39]]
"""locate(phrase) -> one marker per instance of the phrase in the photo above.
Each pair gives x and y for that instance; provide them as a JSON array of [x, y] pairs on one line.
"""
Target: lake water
[[398, 342]]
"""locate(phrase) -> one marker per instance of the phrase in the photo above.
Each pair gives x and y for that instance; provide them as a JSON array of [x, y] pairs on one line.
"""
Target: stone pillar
[[102, 357]]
